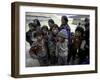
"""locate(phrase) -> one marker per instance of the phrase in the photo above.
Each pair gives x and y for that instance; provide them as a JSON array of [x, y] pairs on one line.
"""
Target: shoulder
[[28, 32], [34, 43]]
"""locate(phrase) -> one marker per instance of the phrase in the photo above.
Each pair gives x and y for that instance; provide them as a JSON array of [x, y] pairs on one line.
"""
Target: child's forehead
[[39, 35], [61, 37], [54, 28]]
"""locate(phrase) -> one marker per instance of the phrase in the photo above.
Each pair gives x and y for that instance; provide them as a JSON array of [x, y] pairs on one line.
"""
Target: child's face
[[63, 21], [77, 34], [39, 38], [45, 31], [31, 28], [60, 39], [35, 22], [55, 30]]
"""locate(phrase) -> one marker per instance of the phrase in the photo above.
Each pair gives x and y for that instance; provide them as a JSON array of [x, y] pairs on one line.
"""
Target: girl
[[62, 47]]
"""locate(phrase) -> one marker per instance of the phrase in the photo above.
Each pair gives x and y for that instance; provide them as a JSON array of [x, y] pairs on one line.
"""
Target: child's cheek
[[39, 38], [59, 38]]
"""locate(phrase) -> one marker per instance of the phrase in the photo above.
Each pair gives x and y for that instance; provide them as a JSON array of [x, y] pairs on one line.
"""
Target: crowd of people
[[57, 45]]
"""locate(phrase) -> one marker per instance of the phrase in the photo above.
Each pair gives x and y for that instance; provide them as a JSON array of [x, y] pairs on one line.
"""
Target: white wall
[[5, 40]]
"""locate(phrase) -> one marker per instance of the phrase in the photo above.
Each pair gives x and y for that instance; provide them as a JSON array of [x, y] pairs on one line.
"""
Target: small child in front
[[39, 50], [62, 47]]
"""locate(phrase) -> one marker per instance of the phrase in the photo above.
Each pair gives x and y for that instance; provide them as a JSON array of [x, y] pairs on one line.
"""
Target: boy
[[39, 50], [77, 51], [62, 47], [30, 33], [37, 23]]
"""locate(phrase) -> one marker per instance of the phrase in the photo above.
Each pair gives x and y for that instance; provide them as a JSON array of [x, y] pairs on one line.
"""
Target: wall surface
[[5, 40]]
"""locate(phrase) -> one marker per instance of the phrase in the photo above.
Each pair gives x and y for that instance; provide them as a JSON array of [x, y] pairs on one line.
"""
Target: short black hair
[[55, 26], [87, 24], [65, 18], [51, 21], [38, 22], [80, 29], [44, 27], [32, 25], [86, 20]]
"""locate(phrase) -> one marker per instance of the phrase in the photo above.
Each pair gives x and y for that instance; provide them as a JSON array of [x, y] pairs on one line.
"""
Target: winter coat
[[39, 50], [30, 36], [62, 48], [52, 44]]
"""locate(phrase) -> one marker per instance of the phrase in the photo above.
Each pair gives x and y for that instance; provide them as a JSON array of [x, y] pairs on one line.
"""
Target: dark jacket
[[29, 35]]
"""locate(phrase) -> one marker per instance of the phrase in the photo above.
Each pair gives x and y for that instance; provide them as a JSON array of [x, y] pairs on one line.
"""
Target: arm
[[64, 46], [32, 51], [28, 38]]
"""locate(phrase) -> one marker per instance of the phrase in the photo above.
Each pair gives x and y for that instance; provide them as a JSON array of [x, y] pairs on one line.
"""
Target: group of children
[[57, 45]]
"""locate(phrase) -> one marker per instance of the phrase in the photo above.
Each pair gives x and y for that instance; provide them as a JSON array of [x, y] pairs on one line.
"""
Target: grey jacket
[[62, 49]]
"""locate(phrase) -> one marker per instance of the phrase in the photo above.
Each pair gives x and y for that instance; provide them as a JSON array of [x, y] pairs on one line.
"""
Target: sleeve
[[28, 39], [57, 50], [32, 51]]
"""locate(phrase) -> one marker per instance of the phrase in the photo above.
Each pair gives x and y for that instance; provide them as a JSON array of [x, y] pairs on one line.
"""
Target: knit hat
[[63, 33]]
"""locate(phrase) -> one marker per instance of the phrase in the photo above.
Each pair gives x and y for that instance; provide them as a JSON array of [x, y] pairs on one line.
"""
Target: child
[[52, 40], [37, 23], [77, 51], [39, 50], [30, 33], [62, 47], [45, 30], [51, 23]]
